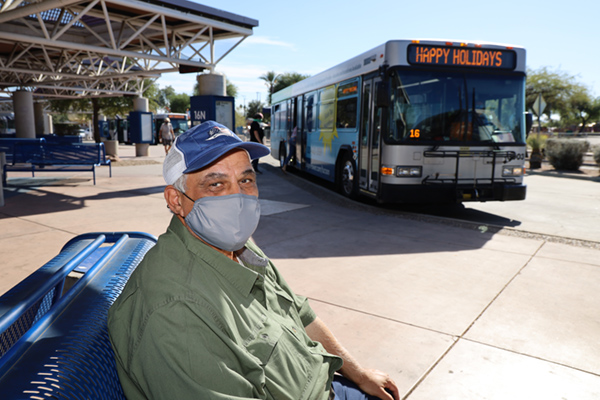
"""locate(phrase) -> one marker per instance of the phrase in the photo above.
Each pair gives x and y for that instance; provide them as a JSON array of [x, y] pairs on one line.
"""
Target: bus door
[[289, 125], [308, 125], [300, 131], [370, 136]]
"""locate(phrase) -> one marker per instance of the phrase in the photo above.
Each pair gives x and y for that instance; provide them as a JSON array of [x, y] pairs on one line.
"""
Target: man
[[256, 135], [167, 135], [206, 315]]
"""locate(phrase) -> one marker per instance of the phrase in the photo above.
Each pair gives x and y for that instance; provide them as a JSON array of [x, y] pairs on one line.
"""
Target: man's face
[[231, 174]]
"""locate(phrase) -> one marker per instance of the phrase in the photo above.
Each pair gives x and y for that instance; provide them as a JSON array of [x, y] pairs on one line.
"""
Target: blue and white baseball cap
[[203, 144]]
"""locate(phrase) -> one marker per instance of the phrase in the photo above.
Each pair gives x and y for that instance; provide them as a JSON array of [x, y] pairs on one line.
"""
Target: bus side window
[[310, 101], [346, 113]]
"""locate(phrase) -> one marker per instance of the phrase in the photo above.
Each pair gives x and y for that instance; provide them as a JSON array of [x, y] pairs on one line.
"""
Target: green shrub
[[566, 154], [597, 155], [537, 142]]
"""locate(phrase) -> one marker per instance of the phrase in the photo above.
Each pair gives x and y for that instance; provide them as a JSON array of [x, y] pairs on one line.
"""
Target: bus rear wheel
[[347, 181]]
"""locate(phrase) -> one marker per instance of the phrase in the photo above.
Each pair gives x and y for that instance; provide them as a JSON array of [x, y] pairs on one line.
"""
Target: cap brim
[[255, 150]]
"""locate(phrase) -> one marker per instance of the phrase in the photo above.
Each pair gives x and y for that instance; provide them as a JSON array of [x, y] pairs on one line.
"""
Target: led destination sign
[[461, 57]]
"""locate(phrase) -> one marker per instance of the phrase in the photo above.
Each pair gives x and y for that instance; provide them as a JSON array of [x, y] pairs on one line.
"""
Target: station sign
[[220, 109]]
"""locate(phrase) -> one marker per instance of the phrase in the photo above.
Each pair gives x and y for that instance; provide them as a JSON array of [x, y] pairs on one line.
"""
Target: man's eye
[[249, 182]]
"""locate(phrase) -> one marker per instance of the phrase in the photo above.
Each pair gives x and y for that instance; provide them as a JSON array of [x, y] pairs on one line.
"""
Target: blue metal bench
[[53, 338], [63, 139], [43, 156], [7, 146]]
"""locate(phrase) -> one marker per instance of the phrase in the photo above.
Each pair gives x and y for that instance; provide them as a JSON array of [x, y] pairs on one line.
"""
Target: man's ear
[[172, 197]]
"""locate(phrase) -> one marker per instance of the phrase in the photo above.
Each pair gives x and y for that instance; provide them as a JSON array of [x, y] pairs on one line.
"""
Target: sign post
[[539, 105]]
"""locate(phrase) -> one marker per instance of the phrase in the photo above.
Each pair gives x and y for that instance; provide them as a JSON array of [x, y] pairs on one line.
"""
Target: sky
[[311, 36]]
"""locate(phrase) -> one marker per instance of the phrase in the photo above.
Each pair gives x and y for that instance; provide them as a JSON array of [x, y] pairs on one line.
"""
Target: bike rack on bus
[[458, 154]]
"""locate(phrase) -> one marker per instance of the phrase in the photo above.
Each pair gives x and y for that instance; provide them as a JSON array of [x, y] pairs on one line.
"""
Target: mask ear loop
[[193, 201]]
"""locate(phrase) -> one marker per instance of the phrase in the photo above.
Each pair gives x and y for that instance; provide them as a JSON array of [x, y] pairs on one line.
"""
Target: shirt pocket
[[263, 340], [291, 368]]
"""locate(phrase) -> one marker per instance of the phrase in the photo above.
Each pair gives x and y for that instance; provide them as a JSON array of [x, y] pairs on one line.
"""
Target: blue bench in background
[[53, 334], [43, 156], [63, 139], [8, 145]]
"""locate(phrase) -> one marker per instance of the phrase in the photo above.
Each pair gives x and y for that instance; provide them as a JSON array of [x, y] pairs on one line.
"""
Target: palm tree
[[270, 79]]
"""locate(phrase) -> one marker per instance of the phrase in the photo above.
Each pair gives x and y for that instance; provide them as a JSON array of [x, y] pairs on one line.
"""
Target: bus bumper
[[440, 193]]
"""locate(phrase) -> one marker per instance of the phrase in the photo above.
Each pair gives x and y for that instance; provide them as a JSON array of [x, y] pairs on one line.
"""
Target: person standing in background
[[167, 135], [256, 135]]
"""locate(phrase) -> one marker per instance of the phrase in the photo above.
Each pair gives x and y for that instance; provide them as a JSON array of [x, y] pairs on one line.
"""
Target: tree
[[179, 103], [584, 108], [163, 97], [288, 79], [240, 118], [232, 90], [270, 79], [113, 106], [152, 93], [254, 107], [556, 87], [65, 106]]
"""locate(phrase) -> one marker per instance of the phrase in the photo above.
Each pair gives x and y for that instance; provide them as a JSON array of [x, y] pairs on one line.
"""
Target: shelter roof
[[75, 48]]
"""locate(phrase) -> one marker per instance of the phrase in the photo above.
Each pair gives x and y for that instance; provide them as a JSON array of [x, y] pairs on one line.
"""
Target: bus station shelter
[[53, 49]]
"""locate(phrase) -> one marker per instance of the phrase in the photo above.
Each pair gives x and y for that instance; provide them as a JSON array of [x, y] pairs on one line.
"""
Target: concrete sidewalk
[[449, 312]]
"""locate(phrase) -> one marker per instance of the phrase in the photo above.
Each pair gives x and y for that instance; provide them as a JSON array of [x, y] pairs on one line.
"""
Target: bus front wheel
[[347, 179]]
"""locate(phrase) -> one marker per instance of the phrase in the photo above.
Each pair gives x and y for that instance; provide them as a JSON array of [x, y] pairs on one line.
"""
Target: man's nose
[[235, 188]]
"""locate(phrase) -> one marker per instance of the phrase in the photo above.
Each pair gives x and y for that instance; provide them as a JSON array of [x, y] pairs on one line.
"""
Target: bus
[[180, 122], [412, 121], [7, 124]]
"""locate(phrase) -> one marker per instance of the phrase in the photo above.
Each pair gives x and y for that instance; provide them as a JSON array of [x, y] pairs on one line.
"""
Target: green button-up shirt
[[193, 324]]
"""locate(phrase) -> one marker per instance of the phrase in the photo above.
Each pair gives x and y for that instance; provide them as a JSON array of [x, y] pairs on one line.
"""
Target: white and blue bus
[[7, 124], [412, 121]]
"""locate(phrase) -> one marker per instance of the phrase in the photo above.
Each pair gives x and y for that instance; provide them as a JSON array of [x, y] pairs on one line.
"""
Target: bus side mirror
[[528, 123], [382, 94]]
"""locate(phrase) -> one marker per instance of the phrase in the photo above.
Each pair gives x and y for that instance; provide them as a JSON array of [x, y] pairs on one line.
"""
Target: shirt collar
[[243, 277]]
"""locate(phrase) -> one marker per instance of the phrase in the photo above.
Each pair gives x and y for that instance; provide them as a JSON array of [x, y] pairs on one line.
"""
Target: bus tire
[[347, 180], [282, 155]]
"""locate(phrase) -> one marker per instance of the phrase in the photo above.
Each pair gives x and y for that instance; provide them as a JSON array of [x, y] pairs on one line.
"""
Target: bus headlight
[[512, 171], [409, 172]]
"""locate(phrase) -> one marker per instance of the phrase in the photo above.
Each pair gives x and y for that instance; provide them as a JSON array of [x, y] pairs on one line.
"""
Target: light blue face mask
[[226, 222]]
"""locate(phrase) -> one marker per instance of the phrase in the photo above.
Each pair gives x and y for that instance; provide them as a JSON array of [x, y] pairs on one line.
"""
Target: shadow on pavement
[[333, 226], [27, 196]]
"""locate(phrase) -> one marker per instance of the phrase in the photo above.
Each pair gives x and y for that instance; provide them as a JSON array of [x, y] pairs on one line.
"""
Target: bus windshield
[[179, 126], [456, 107]]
